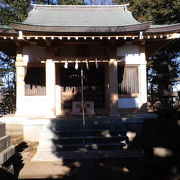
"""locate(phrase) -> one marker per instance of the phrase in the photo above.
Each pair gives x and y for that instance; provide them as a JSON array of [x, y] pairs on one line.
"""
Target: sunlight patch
[[131, 135], [125, 170], [162, 152], [178, 122]]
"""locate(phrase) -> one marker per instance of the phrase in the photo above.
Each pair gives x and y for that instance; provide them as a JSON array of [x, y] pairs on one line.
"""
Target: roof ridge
[[80, 6]]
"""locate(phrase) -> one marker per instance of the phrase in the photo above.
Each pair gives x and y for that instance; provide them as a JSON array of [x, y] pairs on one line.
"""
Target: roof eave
[[81, 29], [168, 29]]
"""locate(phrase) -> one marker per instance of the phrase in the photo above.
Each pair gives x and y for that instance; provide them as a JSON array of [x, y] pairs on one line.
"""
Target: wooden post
[[50, 87], [113, 87], [143, 78], [20, 85]]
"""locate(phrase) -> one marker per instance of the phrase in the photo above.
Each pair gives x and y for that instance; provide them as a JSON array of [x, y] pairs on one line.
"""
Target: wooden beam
[[81, 42]]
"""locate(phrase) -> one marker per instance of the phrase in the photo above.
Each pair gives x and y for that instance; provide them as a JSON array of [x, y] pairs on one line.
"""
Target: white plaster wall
[[33, 53], [35, 106], [131, 54], [129, 103]]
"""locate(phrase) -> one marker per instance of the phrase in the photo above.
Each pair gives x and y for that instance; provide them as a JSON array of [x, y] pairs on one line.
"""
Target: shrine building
[[90, 53]]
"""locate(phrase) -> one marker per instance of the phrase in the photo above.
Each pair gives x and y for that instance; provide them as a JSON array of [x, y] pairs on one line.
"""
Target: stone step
[[99, 154], [74, 124], [96, 120], [6, 154], [47, 134], [4, 142], [65, 138], [94, 137], [92, 154], [55, 147], [90, 146], [90, 139], [89, 127], [2, 129], [92, 132]]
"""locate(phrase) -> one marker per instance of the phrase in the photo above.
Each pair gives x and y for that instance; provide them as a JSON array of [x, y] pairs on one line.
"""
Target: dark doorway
[[93, 86]]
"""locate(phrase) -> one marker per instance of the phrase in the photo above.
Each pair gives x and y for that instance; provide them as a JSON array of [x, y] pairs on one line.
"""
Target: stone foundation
[[6, 150]]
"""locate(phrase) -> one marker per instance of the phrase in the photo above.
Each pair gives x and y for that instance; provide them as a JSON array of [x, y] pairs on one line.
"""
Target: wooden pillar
[[143, 78], [50, 86], [20, 85], [58, 91], [58, 100], [106, 87], [113, 87]]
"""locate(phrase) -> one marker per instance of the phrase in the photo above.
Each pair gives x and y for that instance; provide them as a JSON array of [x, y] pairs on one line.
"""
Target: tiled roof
[[164, 28], [84, 15], [84, 19]]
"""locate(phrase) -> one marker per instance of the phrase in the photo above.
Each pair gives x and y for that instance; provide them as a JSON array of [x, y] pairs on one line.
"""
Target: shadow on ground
[[15, 161], [162, 146], [115, 169]]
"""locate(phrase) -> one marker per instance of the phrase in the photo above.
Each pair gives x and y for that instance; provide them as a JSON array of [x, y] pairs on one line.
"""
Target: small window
[[128, 80]]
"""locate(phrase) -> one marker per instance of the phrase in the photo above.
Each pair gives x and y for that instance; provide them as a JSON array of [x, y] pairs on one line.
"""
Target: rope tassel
[[96, 63], [76, 64], [87, 65], [66, 64]]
